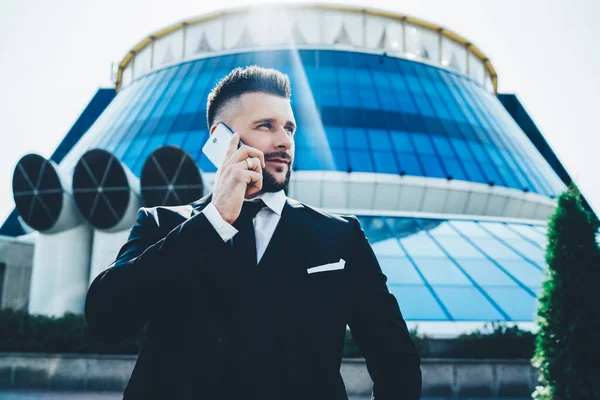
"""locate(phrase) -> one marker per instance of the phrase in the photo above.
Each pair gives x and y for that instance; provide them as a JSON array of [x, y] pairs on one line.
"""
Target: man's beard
[[270, 184]]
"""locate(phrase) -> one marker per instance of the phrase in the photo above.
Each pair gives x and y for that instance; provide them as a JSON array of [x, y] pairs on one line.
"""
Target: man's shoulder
[[178, 212], [168, 214], [320, 216]]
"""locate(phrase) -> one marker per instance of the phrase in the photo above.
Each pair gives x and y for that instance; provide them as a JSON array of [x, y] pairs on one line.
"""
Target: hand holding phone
[[234, 180], [215, 148]]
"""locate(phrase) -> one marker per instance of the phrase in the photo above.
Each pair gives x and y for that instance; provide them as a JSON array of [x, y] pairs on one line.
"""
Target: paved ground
[[48, 395]]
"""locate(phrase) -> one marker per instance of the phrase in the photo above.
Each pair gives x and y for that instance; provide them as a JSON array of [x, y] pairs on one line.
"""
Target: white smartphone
[[217, 144]]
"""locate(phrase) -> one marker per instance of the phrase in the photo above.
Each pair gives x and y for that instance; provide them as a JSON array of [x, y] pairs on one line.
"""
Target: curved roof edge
[[470, 47]]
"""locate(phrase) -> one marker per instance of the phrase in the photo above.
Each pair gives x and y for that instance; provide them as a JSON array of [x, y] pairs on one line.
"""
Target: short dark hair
[[245, 80]]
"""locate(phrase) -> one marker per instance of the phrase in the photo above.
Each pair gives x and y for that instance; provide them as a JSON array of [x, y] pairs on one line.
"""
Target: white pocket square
[[328, 267]]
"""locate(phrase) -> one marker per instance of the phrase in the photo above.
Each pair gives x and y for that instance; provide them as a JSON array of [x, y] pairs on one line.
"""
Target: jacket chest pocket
[[327, 286]]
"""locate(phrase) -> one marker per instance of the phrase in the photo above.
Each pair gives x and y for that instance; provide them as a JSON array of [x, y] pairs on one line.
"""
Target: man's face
[[266, 122]]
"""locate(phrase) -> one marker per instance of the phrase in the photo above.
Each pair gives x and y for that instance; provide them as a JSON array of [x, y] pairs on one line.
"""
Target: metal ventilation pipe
[[106, 192], [42, 197], [170, 177], [61, 258], [107, 195]]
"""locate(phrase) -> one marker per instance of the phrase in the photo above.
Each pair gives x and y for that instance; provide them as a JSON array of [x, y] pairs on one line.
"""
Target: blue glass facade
[[360, 112], [460, 270], [355, 112]]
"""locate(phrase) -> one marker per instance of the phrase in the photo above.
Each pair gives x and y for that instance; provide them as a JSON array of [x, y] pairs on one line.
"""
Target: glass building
[[399, 122]]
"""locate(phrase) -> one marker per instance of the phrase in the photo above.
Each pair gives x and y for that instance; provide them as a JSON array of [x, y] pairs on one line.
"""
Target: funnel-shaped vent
[[102, 188], [37, 191], [170, 177]]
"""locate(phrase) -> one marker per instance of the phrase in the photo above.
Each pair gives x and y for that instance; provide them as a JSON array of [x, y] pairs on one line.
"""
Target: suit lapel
[[294, 239], [282, 244]]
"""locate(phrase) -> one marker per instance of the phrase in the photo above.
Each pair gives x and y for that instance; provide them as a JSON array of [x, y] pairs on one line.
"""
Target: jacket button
[[222, 340]]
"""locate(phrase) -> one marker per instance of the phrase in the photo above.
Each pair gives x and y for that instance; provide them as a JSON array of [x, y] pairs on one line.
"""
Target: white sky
[[55, 54]]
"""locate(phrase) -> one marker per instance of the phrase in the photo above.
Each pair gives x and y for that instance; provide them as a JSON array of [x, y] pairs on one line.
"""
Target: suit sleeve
[[122, 298], [378, 327]]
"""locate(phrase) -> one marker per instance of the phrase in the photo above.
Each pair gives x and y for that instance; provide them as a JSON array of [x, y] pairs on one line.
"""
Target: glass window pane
[[384, 247], [529, 250], [410, 164], [516, 302], [361, 160], [423, 144], [195, 141], [524, 272], [470, 229], [349, 97], [530, 233], [335, 136], [385, 162], [421, 245], [176, 139], [339, 158], [484, 272], [368, 99], [417, 303], [432, 166], [399, 270], [441, 229], [473, 171], [495, 249], [467, 304], [205, 164], [356, 138], [440, 271], [457, 246], [443, 146], [402, 142], [379, 139], [499, 230], [453, 168]]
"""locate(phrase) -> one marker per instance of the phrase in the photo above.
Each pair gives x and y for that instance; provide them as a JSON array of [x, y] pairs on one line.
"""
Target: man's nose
[[284, 139]]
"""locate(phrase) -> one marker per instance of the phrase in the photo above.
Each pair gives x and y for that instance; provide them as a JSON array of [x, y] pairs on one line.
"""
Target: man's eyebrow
[[263, 120], [272, 120]]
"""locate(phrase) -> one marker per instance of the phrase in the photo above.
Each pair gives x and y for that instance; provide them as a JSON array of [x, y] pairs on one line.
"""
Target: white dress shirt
[[264, 222]]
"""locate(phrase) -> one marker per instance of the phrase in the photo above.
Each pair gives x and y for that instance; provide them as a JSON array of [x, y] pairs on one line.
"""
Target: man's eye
[[290, 129], [266, 124]]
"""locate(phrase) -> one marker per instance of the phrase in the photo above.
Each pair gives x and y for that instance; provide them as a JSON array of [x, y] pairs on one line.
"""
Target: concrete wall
[[441, 377], [457, 377], [18, 257]]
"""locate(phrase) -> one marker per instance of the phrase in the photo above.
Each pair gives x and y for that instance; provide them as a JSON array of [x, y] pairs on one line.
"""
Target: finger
[[256, 164], [233, 145], [244, 165], [246, 151], [253, 189], [252, 178]]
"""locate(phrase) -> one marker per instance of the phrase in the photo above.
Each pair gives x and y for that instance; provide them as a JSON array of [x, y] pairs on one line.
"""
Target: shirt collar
[[274, 200]]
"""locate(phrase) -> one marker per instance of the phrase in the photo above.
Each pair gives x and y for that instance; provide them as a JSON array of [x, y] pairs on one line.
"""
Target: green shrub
[[21, 332], [496, 340], [567, 348], [351, 349], [70, 333]]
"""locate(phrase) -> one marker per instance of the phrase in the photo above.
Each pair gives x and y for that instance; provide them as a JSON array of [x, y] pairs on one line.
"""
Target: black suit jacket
[[220, 330]]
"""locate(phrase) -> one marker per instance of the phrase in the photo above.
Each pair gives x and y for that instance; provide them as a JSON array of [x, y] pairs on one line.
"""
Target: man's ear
[[212, 128]]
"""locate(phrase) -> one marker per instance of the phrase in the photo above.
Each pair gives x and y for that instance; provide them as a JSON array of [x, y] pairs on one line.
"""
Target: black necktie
[[244, 242]]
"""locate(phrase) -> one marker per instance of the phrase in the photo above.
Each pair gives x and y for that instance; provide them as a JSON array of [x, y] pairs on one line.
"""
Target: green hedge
[[70, 333], [495, 340], [22, 332], [351, 349]]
